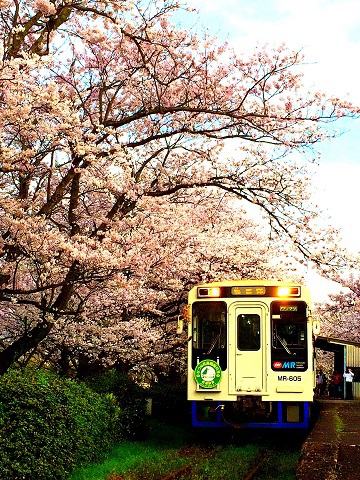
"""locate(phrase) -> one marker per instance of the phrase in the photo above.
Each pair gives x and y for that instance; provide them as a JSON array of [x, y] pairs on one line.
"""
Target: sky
[[328, 33]]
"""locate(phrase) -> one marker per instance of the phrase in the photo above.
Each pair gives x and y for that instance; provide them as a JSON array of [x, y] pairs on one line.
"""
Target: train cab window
[[289, 337], [248, 327], [209, 331]]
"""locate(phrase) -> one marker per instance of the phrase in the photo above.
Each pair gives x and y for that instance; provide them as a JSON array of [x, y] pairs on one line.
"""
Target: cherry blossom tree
[[340, 315], [129, 316], [117, 125]]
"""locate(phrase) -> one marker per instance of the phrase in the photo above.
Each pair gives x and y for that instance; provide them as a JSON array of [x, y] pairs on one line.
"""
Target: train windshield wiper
[[214, 343], [282, 341]]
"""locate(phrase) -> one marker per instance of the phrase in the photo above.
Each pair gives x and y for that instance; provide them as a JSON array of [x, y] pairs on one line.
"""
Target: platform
[[332, 449]]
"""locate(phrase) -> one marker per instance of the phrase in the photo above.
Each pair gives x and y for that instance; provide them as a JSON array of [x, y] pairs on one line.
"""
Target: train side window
[[289, 336], [209, 325], [248, 328]]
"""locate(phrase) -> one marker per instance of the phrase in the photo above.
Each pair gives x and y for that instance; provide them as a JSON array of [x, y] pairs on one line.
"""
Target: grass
[[237, 461], [161, 450], [339, 423], [233, 462], [171, 447], [280, 466]]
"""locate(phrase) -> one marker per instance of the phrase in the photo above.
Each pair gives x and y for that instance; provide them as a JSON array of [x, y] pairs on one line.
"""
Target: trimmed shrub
[[48, 425], [170, 403], [131, 399]]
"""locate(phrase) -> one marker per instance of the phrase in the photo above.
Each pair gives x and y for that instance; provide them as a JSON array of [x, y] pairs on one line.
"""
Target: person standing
[[349, 376], [338, 385], [320, 383]]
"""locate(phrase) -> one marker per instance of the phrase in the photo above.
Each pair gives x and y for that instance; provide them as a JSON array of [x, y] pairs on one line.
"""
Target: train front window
[[248, 332], [209, 331], [289, 338]]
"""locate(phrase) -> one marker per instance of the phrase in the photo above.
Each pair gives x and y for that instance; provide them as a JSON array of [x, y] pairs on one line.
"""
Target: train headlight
[[283, 291], [288, 292], [213, 292]]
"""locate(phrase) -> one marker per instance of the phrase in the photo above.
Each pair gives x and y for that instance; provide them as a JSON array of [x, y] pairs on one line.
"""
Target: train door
[[247, 352]]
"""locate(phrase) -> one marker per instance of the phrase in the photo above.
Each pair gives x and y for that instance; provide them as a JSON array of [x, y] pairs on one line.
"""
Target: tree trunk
[[31, 340]]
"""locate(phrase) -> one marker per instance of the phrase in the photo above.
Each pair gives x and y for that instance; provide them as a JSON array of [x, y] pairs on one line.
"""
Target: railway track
[[242, 457], [185, 472], [186, 469]]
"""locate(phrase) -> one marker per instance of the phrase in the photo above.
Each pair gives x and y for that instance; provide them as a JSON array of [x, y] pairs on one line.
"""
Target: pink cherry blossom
[[134, 157]]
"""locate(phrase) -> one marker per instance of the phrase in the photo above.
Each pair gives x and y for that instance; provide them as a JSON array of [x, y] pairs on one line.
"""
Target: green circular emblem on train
[[207, 374]]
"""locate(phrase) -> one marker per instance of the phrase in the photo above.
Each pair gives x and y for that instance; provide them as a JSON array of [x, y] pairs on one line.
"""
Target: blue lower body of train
[[279, 415]]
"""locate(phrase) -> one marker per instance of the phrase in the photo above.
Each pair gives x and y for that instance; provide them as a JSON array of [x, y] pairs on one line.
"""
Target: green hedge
[[130, 397], [48, 425], [170, 403]]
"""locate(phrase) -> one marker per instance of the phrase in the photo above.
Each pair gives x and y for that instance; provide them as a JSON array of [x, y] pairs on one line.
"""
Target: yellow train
[[251, 354]]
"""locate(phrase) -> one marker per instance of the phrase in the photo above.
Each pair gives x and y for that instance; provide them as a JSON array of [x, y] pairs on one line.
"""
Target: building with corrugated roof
[[346, 355]]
